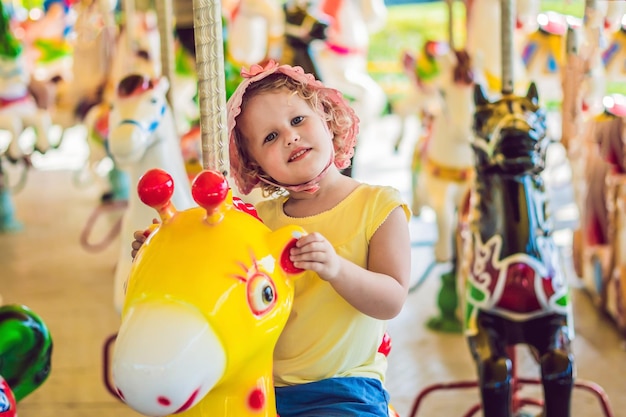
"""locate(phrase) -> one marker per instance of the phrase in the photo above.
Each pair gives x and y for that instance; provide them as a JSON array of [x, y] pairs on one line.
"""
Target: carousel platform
[[45, 267]]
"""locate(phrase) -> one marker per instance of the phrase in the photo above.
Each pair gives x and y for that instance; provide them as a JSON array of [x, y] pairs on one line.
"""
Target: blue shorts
[[334, 397]]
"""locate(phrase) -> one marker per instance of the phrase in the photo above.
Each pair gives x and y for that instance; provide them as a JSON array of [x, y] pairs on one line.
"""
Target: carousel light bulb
[[608, 102], [35, 14], [542, 19]]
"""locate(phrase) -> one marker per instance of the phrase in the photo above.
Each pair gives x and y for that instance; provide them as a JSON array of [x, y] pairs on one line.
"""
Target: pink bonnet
[[344, 147]]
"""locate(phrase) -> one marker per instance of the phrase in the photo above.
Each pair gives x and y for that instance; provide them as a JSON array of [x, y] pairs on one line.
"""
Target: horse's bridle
[[508, 120], [152, 126]]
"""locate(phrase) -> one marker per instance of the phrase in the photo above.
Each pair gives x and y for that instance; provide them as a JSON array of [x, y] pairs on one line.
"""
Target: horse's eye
[[132, 83], [153, 100]]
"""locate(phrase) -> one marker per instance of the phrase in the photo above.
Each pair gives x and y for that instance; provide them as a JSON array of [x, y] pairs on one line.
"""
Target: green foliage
[[410, 25], [9, 46]]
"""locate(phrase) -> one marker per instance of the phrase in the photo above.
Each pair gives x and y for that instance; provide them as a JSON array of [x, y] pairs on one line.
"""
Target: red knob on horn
[[155, 188], [209, 189]]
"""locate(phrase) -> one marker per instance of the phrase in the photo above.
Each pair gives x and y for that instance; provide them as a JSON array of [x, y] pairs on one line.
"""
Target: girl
[[291, 136]]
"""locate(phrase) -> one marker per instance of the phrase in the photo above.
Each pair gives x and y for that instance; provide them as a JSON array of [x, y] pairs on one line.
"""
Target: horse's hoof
[[42, 149], [28, 162], [107, 198], [10, 226], [111, 197], [12, 159], [445, 324]]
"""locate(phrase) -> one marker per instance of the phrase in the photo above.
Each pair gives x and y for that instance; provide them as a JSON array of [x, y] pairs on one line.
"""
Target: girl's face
[[285, 136]]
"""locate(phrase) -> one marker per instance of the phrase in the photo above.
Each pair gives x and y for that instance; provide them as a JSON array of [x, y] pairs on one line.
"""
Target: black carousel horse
[[514, 288]]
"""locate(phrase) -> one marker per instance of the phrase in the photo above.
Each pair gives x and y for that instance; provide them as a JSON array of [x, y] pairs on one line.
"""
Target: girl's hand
[[315, 253], [140, 236]]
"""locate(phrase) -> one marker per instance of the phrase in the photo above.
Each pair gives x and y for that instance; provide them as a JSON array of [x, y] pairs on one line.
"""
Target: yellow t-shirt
[[325, 336]]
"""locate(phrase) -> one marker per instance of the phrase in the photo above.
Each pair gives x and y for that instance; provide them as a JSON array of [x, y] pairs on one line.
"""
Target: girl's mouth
[[299, 154]]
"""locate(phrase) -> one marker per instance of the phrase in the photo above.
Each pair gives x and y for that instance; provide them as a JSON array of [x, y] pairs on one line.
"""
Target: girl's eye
[[297, 120], [270, 137]]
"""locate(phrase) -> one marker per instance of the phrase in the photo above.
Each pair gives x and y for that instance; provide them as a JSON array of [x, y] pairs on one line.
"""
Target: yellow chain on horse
[[448, 173]]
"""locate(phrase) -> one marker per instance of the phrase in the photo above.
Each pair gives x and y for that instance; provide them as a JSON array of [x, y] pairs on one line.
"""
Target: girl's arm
[[378, 291]]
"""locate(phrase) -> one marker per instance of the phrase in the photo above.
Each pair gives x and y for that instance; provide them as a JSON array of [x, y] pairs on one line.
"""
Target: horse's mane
[[609, 136], [463, 73], [596, 212]]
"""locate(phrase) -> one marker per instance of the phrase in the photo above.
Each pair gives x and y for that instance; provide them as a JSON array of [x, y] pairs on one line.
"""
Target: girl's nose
[[293, 137]]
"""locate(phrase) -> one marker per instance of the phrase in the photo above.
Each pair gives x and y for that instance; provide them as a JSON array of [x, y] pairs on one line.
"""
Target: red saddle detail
[[7, 400], [519, 293], [6, 102]]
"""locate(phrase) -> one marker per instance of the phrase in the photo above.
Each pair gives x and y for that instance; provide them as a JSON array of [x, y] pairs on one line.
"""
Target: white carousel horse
[[18, 107], [94, 47], [102, 57], [138, 50], [544, 54], [142, 136], [484, 40], [139, 46], [255, 31], [85, 99], [45, 35], [341, 59], [446, 158]]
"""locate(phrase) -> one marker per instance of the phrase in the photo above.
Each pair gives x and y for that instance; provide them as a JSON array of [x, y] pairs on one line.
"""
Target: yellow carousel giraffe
[[207, 297]]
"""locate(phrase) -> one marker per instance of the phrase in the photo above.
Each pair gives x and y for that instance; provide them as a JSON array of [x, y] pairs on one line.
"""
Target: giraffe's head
[[207, 297]]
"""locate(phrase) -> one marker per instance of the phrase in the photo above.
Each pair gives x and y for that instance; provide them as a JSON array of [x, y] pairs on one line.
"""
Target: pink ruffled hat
[[344, 146]]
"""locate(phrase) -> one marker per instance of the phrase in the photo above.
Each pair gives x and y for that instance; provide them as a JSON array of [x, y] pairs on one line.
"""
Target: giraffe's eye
[[261, 293]]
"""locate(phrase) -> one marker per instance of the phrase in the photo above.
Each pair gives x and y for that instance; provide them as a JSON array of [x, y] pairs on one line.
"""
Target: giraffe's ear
[[281, 242]]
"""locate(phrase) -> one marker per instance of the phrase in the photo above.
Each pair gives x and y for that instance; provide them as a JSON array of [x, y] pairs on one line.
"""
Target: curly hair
[[339, 118]]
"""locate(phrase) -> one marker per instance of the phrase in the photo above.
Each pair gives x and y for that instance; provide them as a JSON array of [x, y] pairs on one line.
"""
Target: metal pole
[[211, 84], [450, 4], [165, 19], [129, 23], [506, 30]]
